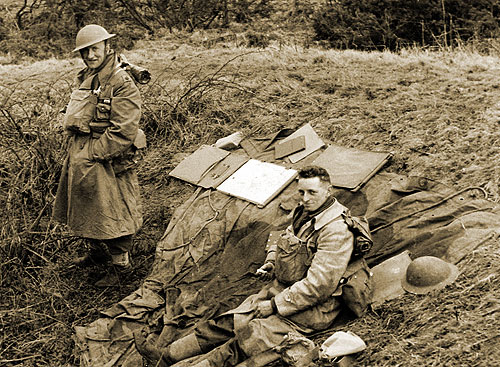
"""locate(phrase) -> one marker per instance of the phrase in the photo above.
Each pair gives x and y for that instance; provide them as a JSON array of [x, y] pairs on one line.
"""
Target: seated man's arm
[[334, 249]]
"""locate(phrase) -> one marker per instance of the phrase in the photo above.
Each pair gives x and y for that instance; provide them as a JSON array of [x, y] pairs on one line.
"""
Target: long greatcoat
[[93, 198]]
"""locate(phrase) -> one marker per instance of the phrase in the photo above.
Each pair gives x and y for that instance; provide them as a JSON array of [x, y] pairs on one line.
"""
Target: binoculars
[[141, 75]]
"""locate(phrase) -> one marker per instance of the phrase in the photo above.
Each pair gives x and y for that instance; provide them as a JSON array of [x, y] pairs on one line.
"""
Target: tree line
[[41, 28], [395, 24]]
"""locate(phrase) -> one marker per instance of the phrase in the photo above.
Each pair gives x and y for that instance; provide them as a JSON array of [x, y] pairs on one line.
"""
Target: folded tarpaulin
[[351, 167]]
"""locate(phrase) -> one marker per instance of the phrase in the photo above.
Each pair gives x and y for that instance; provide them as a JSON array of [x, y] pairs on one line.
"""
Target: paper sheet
[[258, 182]]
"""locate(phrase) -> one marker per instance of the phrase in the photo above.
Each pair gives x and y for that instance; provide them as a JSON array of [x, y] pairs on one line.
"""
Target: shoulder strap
[[104, 91], [360, 229]]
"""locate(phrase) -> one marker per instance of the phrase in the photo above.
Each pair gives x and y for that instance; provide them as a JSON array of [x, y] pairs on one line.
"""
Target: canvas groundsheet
[[213, 244]]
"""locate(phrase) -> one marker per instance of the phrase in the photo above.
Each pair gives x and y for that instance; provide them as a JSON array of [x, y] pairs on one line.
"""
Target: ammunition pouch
[[293, 258], [80, 111], [103, 110]]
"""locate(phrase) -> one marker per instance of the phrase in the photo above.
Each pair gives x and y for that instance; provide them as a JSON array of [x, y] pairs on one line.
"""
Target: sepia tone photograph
[[249, 183]]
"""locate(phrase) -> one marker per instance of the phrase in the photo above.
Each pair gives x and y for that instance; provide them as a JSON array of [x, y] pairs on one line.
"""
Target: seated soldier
[[306, 265]]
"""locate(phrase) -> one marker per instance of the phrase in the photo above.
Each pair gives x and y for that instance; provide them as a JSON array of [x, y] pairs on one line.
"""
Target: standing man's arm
[[124, 119]]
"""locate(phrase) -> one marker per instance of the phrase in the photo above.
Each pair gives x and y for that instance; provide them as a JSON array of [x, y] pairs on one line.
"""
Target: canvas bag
[[293, 258], [357, 282], [80, 111], [357, 287], [361, 231]]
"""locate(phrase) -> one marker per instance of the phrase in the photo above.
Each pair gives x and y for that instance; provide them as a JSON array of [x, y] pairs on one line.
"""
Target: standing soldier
[[98, 193]]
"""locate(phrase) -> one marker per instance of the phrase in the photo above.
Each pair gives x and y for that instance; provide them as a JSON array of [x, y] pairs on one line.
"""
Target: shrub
[[30, 141], [392, 24]]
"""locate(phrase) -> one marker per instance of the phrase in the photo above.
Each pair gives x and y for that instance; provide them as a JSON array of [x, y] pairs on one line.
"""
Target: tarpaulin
[[205, 262]]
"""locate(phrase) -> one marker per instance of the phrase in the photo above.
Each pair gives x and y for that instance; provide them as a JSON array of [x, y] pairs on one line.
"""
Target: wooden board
[[195, 166], [313, 142]]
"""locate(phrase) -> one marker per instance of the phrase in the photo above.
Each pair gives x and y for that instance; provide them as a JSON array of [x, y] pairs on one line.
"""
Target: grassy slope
[[437, 112]]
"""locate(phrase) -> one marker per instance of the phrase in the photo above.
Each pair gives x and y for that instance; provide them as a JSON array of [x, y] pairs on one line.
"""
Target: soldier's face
[[94, 55], [313, 192]]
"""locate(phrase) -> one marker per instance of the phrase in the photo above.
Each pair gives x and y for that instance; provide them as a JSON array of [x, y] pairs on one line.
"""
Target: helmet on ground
[[90, 35], [428, 273]]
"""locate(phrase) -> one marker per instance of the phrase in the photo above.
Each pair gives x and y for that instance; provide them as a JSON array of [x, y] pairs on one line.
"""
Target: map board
[[258, 182], [350, 167]]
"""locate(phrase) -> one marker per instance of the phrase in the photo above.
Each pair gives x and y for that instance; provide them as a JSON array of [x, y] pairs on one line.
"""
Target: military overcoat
[[98, 194]]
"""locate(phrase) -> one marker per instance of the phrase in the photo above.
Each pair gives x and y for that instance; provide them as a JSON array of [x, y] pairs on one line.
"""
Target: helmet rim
[[90, 35], [419, 265]]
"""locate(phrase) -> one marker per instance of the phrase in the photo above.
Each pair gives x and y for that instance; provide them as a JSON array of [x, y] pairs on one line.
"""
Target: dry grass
[[438, 112]]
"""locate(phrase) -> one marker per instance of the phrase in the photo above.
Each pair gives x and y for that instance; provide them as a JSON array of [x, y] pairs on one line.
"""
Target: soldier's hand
[[264, 309], [266, 271]]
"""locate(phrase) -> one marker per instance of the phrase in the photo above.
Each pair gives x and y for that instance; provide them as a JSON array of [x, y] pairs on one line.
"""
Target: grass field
[[439, 112]]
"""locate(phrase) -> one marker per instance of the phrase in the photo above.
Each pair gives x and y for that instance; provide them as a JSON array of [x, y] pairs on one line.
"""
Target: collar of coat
[[328, 215], [110, 64]]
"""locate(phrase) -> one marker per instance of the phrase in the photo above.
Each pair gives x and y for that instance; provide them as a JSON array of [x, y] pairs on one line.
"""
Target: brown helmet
[[90, 35], [428, 273]]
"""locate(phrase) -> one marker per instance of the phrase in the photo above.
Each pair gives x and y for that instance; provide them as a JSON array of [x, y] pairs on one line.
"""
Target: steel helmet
[[90, 35], [428, 273]]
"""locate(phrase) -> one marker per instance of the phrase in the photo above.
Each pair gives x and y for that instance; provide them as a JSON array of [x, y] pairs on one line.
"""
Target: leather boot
[[114, 276], [120, 269], [179, 350], [151, 353], [95, 255]]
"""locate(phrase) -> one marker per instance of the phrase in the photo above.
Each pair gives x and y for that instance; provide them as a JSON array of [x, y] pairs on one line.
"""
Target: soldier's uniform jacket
[[306, 290], [98, 193], [312, 262]]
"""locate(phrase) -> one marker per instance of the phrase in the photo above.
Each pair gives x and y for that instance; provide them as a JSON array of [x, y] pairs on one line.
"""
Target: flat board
[[313, 142], [349, 167], [195, 166], [222, 170], [387, 278], [258, 182], [289, 147]]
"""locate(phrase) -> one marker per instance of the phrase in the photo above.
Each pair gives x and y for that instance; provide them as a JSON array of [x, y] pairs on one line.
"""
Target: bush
[[392, 24], [48, 29], [31, 159]]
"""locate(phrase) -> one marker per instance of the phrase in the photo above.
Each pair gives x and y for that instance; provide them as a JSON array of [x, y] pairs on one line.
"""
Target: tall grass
[[30, 160], [430, 108]]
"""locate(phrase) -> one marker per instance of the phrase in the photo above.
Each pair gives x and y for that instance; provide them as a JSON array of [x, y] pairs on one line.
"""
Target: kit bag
[[361, 231], [357, 282], [357, 287]]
